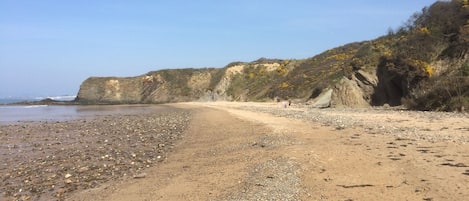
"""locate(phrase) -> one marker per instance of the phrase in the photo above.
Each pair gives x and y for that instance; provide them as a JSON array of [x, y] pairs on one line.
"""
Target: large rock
[[355, 91], [323, 100]]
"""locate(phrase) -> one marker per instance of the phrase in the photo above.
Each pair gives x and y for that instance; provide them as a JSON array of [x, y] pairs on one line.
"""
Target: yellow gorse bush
[[426, 67], [423, 30], [284, 85]]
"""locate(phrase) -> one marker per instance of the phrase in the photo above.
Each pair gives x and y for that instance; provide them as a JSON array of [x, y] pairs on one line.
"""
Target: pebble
[[139, 176], [343, 118], [82, 154], [275, 179]]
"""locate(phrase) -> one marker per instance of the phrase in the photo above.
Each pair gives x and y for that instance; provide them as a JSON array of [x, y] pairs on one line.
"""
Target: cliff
[[153, 87], [422, 65]]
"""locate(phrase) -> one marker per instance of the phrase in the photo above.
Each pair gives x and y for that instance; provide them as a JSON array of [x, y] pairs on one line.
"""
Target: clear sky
[[48, 47]]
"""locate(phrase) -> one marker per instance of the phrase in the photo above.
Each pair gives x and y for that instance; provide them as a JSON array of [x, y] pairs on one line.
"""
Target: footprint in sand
[[455, 164], [466, 173]]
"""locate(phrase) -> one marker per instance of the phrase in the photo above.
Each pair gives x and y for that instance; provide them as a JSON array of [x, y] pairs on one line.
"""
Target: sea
[[7, 100], [13, 114]]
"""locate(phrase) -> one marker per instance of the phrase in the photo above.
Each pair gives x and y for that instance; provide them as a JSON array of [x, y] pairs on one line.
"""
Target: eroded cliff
[[424, 65]]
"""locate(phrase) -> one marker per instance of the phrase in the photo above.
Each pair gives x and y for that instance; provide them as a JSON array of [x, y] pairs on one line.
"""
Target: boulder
[[348, 93], [323, 100]]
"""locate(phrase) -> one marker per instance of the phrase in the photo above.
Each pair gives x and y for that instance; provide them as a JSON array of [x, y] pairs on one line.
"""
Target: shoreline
[[80, 155], [19, 114], [266, 152], [48, 160]]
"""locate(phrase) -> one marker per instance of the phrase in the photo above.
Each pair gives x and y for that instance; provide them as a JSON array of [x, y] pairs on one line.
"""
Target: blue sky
[[49, 47]]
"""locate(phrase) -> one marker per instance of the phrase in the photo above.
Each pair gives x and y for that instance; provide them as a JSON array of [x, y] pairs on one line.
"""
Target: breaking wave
[[34, 106], [57, 98]]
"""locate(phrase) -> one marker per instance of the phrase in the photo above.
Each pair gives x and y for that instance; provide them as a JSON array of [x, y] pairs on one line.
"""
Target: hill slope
[[423, 64]]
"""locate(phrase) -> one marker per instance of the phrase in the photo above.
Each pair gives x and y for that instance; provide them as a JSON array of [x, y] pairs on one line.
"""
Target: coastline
[[46, 160], [58, 100], [262, 151], [239, 151], [18, 113]]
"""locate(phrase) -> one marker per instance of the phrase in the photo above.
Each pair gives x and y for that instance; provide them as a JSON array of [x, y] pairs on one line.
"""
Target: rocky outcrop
[[220, 92], [110, 90], [176, 85], [347, 93], [418, 65], [323, 100], [154, 87], [355, 91]]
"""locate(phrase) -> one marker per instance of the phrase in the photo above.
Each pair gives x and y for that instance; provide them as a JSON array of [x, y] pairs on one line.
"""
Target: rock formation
[[404, 66]]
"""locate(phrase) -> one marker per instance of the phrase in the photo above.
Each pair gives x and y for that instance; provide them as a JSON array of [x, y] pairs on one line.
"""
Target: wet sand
[[17, 114], [48, 160]]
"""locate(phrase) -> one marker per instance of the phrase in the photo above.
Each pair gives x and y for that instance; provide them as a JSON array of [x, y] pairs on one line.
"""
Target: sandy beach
[[240, 151]]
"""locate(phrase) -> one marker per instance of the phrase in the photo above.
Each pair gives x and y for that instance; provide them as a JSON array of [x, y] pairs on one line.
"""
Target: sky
[[49, 47]]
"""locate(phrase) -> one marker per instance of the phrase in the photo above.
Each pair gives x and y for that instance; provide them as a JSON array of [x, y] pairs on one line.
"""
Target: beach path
[[232, 154]]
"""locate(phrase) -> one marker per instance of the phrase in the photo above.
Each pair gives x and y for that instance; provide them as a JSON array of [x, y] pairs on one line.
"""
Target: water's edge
[[11, 114]]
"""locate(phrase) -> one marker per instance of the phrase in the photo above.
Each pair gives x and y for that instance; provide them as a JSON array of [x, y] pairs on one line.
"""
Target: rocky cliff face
[[154, 87], [424, 65], [355, 91], [362, 86], [224, 84]]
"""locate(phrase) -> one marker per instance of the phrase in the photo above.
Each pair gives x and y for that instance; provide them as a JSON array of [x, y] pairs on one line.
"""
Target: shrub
[[465, 69], [444, 94]]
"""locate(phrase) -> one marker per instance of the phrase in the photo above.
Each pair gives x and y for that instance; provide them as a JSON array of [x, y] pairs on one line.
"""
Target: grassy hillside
[[424, 65], [427, 58], [297, 79]]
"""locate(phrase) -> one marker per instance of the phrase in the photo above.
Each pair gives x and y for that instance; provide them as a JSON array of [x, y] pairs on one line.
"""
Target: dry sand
[[260, 151]]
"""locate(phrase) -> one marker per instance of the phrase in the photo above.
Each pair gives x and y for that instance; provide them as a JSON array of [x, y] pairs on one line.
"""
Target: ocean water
[[14, 100], [7, 100], [18, 113]]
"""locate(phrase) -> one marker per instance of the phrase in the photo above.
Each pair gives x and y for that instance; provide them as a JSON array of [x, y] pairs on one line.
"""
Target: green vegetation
[[465, 69], [403, 61], [177, 81], [439, 32], [215, 77], [423, 64], [258, 79], [319, 71]]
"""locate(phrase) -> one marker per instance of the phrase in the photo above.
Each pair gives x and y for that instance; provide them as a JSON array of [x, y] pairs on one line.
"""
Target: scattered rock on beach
[[48, 160]]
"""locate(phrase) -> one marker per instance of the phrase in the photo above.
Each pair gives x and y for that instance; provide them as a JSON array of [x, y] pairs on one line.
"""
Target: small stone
[[60, 192], [25, 197], [139, 176], [83, 169], [68, 176]]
